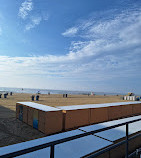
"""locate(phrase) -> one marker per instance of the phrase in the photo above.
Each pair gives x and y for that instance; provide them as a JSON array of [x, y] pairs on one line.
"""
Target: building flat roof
[[87, 106], [74, 107], [39, 106]]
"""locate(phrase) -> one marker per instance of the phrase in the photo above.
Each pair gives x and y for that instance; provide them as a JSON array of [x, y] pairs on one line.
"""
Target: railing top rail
[[42, 146], [112, 147]]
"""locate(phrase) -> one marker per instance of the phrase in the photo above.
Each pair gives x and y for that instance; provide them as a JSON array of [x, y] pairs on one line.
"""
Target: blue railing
[[53, 143]]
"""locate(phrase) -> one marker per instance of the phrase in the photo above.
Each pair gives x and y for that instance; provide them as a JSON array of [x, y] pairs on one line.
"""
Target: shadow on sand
[[6, 112], [13, 131]]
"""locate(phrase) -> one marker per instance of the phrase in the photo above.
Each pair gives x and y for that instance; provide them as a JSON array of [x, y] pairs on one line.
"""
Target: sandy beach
[[13, 131]]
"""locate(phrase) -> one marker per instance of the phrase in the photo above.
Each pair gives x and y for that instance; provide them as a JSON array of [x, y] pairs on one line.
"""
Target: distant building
[[131, 96]]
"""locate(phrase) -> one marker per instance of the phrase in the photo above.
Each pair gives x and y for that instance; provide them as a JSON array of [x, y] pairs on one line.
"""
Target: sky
[[92, 45]]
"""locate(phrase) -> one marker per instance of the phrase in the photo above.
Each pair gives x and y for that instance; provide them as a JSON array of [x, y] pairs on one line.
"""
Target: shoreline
[[52, 91]]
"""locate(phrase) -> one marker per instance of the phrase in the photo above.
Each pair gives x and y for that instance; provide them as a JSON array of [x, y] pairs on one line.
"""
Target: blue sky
[[74, 45]]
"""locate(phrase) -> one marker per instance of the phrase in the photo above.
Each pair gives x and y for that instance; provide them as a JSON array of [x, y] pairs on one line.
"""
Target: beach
[[14, 131]]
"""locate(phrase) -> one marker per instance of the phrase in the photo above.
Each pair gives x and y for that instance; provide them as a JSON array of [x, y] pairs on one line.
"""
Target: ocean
[[46, 91]]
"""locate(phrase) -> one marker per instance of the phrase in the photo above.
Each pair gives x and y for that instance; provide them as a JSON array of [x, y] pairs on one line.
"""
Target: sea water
[[46, 91]]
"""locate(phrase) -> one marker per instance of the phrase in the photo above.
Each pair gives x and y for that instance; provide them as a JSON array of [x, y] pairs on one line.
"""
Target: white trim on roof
[[39, 106], [88, 106]]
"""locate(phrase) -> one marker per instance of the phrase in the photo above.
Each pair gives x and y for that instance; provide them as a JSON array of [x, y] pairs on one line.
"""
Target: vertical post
[[127, 140], [52, 151]]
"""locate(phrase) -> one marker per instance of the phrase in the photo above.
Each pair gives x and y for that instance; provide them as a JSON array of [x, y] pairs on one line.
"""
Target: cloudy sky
[[72, 45]]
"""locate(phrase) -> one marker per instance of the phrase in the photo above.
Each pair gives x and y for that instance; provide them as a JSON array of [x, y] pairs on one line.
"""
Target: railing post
[[127, 134], [52, 151]]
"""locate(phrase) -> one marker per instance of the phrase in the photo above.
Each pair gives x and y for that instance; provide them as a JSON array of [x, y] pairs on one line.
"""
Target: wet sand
[[13, 131]]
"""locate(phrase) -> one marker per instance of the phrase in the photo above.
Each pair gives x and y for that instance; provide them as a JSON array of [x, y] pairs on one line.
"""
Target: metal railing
[[136, 153], [53, 143]]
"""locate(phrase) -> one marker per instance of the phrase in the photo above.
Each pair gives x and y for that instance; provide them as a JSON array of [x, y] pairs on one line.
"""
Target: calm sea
[[46, 91]]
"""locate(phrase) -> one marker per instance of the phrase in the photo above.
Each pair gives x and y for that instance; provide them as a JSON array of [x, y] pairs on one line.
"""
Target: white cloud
[[26, 7], [96, 54], [121, 32], [110, 49], [34, 22], [31, 20], [70, 32]]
